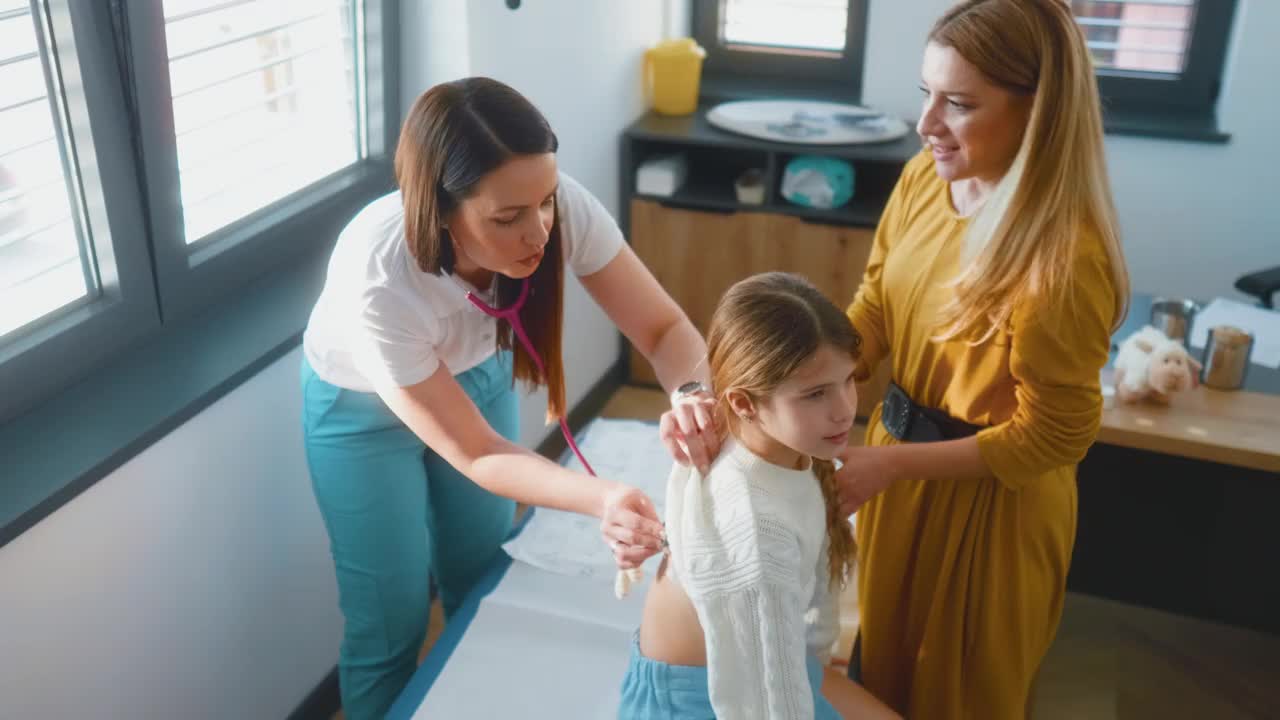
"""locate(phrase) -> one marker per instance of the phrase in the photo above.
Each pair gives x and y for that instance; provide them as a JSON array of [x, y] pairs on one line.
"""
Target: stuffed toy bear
[[1151, 366]]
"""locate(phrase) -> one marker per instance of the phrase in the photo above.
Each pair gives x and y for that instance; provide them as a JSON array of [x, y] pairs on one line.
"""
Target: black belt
[[907, 421]]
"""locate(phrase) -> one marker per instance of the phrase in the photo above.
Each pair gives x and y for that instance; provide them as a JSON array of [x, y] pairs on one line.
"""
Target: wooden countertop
[[1238, 427], [1232, 427]]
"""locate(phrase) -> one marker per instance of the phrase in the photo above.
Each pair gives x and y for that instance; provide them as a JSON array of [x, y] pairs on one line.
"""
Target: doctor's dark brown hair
[[455, 134]]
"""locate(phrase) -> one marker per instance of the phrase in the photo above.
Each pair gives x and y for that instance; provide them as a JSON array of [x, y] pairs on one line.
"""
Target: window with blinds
[[44, 263], [158, 156], [1150, 36], [266, 101], [808, 25], [810, 49]]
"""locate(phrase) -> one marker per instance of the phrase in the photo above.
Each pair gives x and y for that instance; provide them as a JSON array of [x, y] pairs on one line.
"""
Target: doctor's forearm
[[680, 356], [514, 472]]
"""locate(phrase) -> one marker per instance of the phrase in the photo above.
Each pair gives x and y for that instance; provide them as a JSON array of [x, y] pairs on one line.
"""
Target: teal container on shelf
[[818, 182]]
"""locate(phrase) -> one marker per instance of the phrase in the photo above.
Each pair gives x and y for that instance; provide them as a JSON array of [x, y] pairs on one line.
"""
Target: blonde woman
[[994, 284]]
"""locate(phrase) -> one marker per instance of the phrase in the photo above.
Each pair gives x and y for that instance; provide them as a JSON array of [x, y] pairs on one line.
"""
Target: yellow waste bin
[[671, 73]]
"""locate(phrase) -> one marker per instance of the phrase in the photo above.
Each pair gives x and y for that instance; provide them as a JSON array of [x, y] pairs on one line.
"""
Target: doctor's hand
[[630, 525], [864, 472], [689, 430]]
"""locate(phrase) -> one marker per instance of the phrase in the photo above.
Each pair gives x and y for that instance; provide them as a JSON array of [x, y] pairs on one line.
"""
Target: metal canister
[[1173, 317], [1226, 357]]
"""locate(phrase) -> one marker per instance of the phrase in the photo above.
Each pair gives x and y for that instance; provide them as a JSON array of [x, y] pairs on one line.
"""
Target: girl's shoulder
[[753, 486]]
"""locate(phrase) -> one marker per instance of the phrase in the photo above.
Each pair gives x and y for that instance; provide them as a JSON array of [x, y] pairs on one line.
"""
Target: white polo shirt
[[381, 318]]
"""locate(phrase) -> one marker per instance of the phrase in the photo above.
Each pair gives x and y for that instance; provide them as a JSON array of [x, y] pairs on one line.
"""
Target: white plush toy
[[1151, 366]]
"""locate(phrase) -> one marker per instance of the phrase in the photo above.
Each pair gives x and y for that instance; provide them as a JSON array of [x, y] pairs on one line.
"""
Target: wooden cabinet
[[697, 255], [701, 239]]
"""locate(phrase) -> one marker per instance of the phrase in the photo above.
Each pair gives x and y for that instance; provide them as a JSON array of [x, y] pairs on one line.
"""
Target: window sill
[[1190, 127], [65, 445]]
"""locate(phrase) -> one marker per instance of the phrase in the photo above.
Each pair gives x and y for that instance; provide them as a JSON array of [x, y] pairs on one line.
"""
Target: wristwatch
[[693, 387]]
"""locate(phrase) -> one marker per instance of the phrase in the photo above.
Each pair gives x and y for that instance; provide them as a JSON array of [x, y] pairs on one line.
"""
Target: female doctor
[[409, 406]]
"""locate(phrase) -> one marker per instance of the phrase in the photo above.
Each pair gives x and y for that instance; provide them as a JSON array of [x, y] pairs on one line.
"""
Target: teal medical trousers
[[398, 516]]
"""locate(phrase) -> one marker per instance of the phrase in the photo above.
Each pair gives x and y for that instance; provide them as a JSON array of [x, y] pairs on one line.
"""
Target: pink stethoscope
[[512, 316], [625, 578]]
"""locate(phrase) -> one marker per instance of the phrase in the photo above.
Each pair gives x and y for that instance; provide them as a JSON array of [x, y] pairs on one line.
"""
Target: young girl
[[741, 623]]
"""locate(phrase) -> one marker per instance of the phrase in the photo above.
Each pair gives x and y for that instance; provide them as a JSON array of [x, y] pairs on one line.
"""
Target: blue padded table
[[542, 634], [414, 693]]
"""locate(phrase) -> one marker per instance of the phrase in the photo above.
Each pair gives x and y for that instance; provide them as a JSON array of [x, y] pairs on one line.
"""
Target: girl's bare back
[[670, 631]]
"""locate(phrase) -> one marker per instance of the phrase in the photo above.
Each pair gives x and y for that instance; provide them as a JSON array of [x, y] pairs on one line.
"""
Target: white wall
[[1194, 216], [434, 46], [579, 62], [193, 582]]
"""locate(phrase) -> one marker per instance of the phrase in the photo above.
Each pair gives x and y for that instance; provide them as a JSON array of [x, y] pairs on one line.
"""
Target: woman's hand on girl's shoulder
[[864, 472], [689, 430]]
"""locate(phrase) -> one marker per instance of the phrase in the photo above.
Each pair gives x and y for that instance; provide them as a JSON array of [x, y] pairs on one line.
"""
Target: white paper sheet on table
[[575, 598], [1263, 323], [628, 451]]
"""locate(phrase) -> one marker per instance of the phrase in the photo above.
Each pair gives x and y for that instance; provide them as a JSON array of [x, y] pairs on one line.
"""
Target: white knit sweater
[[749, 547]]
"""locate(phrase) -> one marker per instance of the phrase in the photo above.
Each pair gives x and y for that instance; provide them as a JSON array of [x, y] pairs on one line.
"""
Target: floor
[[1110, 661]]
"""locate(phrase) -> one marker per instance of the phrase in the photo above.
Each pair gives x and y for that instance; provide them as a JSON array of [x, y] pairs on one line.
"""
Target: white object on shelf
[[749, 187], [807, 122], [662, 175]]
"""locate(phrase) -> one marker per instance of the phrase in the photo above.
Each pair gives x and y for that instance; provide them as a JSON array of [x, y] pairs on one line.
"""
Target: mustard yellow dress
[[961, 582]]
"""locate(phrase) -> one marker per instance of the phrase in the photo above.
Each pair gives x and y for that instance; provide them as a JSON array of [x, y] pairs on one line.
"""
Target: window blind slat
[[1089, 22], [1137, 35], [201, 12], [1164, 50], [274, 62], [245, 36], [18, 58]]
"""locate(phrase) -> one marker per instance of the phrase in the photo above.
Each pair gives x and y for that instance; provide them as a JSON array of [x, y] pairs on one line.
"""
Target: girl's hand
[[689, 431], [630, 526], [864, 473]]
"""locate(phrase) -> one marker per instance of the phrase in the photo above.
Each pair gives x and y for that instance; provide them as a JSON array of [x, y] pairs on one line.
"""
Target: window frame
[[150, 287], [190, 277], [1193, 95], [38, 359], [728, 73]]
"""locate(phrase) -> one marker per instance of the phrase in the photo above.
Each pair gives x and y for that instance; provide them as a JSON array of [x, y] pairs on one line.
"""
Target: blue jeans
[[653, 690], [398, 516]]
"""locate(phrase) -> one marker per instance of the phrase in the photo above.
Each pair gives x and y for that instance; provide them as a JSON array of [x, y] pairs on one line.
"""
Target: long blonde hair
[[1022, 242], [764, 328]]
